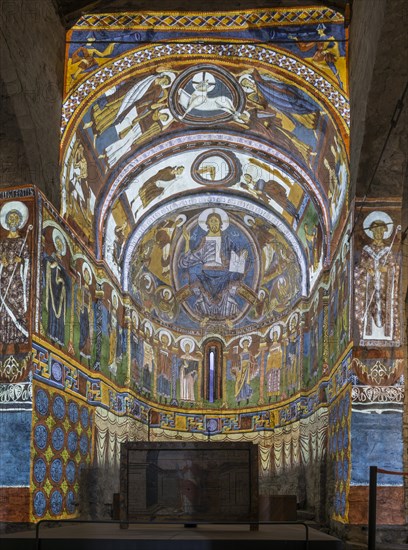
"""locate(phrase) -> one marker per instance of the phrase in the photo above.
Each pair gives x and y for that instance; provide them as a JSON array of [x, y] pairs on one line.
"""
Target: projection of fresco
[[15, 276], [377, 278], [170, 101], [207, 265], [198, 279], [215, 190]]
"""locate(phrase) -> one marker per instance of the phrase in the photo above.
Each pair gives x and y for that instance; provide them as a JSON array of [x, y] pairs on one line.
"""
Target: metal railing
[[372, 502], [252, 524]]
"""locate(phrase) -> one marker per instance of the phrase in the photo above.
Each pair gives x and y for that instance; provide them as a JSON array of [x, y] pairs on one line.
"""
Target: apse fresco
[[143, 124], [196, 282], [208, 266]]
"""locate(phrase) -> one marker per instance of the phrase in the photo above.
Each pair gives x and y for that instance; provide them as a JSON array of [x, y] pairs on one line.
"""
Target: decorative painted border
[[367, 395], [17, 192], [339, 450], [199, 21], [243, 52], [61, 446], [16, 396], [98, 391]]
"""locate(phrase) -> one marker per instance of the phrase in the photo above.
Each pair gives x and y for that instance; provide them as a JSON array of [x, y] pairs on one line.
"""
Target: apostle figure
[[377, 281], [115, 344], [274, 364], [14, 276], [164, 368], [188, 373], [135, 350], [313, 236], [57, 290], [292, 366], [244, 371], [85, 314], [148, 359]]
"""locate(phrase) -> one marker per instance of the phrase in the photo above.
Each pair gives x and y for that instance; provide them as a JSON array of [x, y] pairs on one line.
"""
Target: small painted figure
[[85, 315], [57, 288], [325, 51], [188, 374], [135, 350], [85, 58], [148, 361], [244, 371], [164, 369], [292, 362], [189, 487], [313, 237], [120, 238], [115, 347], [274, 365]]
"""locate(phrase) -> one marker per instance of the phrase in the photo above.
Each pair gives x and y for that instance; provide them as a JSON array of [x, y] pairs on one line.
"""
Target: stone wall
[[378, 74], [32, 55], [364, 34]]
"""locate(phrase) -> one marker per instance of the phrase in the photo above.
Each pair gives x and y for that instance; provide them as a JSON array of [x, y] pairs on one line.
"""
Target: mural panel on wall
[[251, 124], [62, 448], [17, 241], [377, 280]]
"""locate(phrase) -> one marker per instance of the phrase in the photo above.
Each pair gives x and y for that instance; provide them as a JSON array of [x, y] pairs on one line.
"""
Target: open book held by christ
[[237, 262]]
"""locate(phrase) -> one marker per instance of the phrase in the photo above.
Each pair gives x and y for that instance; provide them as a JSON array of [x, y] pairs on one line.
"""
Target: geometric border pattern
[[95, 389], [162, 52], [340, 452], [62, 444], [207, 22]]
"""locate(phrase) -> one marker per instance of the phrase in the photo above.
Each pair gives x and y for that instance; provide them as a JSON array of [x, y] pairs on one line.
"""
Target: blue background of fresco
[[376, 440]]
